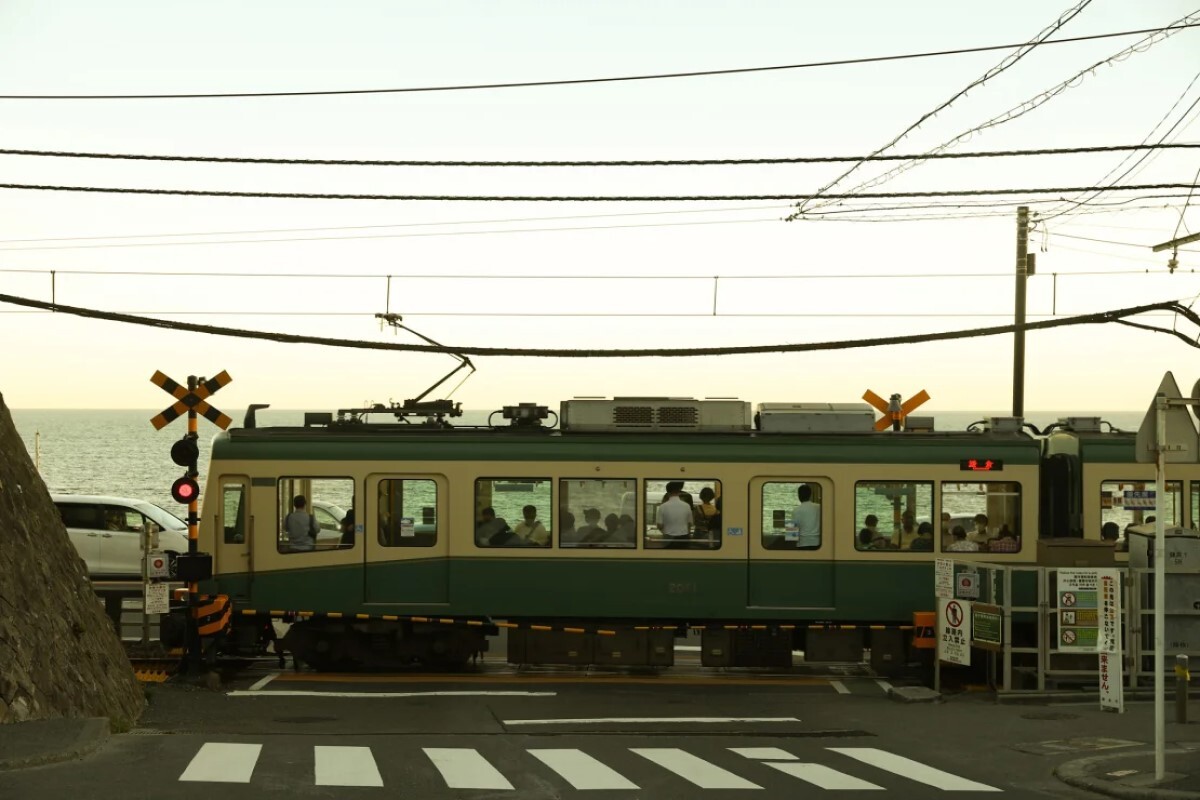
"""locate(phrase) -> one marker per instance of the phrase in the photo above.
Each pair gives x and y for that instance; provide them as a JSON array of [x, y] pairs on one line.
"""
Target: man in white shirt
[[674, 517], [807, 519]]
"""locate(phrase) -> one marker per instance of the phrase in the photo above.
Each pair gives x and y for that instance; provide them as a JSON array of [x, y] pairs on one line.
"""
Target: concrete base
[[914, 694], [45, 741]]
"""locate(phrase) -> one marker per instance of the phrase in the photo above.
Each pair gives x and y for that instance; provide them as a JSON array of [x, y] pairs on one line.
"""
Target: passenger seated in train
[[924, 538], [981, 535], [493, 531], [592, 531], [566, 528], [1006, 542], [868, 540], [626, 531], [961, 543], [530, 530]]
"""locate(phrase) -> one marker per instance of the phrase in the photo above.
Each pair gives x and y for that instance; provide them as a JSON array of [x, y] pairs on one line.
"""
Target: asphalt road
[[503, 732]]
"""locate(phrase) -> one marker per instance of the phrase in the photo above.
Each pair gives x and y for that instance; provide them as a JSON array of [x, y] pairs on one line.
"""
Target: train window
[[233, 515], [1126, 503], [697, 527], [987, 512], [792, 515], [597, 513], [891, 515], [513, 512], [407, 512], [326, 501]]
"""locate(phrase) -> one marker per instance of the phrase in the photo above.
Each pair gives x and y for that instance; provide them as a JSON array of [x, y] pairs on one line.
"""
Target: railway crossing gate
[[195, 566]]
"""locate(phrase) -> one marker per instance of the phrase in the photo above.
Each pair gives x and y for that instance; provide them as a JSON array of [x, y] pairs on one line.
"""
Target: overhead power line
[[580, 81], [583, 198], [1021, 109], [1008, 61], [685, 162], [1118, 315]]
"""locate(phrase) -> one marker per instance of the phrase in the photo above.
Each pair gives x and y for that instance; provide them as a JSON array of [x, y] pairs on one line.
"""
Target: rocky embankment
[[59, 655]]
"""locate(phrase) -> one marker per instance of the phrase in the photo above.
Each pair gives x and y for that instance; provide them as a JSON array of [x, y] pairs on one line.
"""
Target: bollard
[[1181, 688]]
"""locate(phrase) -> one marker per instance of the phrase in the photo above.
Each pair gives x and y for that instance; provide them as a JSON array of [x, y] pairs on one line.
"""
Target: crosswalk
[[467, 768]]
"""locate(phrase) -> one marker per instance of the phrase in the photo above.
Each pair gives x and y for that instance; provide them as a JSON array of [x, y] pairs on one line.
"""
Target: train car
[[422, 549]]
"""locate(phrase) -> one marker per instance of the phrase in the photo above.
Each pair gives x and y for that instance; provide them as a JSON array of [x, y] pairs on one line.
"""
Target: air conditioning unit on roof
[[655, 414]]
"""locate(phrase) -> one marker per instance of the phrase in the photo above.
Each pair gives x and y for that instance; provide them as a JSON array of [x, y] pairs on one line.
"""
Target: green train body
[[418, 492]]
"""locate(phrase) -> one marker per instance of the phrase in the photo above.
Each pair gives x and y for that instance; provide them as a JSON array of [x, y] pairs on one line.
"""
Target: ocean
[[118, 452]]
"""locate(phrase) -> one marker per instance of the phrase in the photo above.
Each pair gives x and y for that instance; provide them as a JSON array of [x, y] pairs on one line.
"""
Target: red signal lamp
[[185, 490]]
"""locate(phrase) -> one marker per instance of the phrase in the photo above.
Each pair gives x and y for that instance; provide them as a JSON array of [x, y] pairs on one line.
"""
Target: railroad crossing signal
[[190, 400], [894, 411]]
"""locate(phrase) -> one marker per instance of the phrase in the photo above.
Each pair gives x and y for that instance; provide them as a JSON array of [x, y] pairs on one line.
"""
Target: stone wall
[[59, 655]]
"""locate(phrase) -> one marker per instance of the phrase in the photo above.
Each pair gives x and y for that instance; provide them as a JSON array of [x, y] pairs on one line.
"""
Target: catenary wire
[[685, 162], [1008, 61], [1031, 104], [1073, 204], [581, 81], [577, 198], [1083, 319]]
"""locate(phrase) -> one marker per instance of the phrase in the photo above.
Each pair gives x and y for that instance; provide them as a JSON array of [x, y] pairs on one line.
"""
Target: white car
[[107, 532]]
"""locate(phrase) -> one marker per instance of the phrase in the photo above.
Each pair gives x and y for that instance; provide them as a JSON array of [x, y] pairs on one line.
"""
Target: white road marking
[[644, 720], [822, 776], [217, 762], [839, 687], [764, 753], [581, 770], [346, 766], [260, 684], [382, 695], [465, 768], [887, 687], [913, 770], [692, 769]]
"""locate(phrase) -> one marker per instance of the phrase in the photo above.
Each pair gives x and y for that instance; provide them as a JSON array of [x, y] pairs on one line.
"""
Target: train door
[[403, 524], [232, 524], [791, 543]]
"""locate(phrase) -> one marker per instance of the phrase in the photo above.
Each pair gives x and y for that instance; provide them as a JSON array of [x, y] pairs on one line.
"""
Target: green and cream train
[[455, 530]]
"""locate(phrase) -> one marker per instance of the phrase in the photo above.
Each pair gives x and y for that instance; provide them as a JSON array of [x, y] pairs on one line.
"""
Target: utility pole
[[1023, 272]]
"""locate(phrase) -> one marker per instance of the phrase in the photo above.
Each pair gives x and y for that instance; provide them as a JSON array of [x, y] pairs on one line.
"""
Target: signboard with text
[[987, 626], [1109, 641], [1078, 610], [943, 585], [954, 631]]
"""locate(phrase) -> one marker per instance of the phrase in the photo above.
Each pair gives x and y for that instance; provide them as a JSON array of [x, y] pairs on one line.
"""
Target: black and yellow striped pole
[[194, 566]]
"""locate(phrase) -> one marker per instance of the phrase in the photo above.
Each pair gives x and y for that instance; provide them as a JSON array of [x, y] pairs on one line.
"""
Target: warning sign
[[954, 631], [1078, 610], [157, 600], [157, 565], [968, 585]]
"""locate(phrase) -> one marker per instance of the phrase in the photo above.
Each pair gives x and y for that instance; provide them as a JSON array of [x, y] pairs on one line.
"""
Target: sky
[[585, 275]]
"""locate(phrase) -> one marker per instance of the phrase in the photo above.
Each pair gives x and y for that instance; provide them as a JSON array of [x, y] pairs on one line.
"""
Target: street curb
[[1077, 773], [81, 737]]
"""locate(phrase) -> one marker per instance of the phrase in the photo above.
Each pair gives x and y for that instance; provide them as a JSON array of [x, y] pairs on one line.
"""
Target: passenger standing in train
[[708, 518], [961, 543], [347, 528], [908, 531], [300, 527], [807, 519], [674, 517], [532, 531]]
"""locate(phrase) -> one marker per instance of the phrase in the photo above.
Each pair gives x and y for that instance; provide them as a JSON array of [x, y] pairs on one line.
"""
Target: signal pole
[[1023, 271]]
